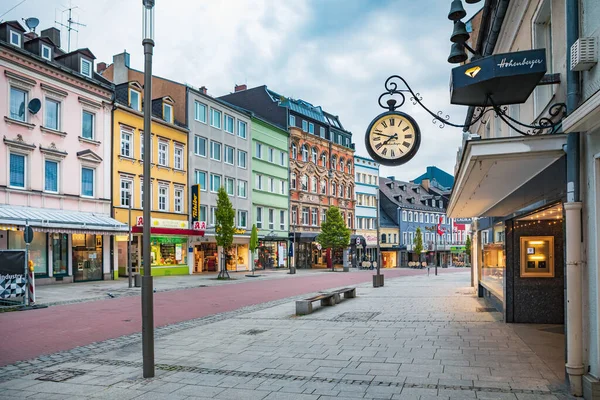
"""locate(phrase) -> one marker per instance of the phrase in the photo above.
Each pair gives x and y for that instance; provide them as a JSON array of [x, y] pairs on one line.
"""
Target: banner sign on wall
[[195, 203], [13, 282]]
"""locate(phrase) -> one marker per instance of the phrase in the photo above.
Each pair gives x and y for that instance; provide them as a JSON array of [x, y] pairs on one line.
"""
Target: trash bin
[[292, 270], [137, 280]]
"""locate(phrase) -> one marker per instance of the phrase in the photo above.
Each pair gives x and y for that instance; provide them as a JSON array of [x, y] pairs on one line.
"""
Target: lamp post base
[[378, 280]]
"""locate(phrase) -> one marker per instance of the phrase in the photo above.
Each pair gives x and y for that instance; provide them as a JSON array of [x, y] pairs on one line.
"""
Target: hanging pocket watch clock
[[393, 138]]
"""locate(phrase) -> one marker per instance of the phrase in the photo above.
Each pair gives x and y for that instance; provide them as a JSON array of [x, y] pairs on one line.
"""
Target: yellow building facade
[[169, 183]]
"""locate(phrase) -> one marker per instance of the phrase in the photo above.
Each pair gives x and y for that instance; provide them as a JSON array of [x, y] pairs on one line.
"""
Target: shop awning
[[499, 176], [303, 237], [168, 231], [586, 118], [60, 221]]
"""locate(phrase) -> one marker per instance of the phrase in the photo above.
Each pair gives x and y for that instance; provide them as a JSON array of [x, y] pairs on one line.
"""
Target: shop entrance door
[[87, 257]]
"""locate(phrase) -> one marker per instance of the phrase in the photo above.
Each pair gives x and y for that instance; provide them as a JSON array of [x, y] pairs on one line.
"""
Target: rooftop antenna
[[69, 25], [32, 23]]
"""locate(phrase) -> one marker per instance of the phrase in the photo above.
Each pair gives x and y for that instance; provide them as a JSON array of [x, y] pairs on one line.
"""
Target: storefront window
[[38, 249], [87, 257], [493, 264], [237, 258], [205, 257], [272, 254], [60, 259], [168, 250]]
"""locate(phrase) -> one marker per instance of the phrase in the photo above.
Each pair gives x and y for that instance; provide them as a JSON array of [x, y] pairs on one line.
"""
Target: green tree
[[418, 242], [334, 234], [253, 244], [224, 227], [468, 245]]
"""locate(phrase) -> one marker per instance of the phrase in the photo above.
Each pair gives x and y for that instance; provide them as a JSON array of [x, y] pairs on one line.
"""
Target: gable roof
[[436, 176], [413, 196]]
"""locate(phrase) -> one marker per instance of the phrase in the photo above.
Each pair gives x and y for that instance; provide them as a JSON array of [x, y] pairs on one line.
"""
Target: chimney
[[121, 68], [239, 88], [203, 90], [393, 178], [425, 184], [30, 35], [53, 34], [100, 67]]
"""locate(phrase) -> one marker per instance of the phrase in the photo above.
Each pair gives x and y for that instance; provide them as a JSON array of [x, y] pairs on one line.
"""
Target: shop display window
[[60, 259], [38, 249], [87, 257], [166, 251], [537, 256], [493, 266]]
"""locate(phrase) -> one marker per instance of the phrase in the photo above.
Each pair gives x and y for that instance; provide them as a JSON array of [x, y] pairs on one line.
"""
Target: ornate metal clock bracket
[[543, 125]]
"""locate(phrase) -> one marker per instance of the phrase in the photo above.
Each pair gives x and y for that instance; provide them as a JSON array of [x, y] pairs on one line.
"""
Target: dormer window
[[15, 38], [168, 112], [86, 68], [46, 52], [134, 99]]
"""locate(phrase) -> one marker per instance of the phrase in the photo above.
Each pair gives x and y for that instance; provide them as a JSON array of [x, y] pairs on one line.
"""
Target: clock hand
[[388, 136], [394, 136]]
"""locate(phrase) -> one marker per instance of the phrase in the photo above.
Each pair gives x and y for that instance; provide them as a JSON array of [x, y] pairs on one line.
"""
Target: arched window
[[334, 162], [342, 190], [324, 186], [294, 151], [421, 217], [293, 180], [409, 216], [349, 193], [304, 153], [313, 184], [426, 218], [383, 237], [404, 215], [304, 183], [324, 159], [432, 218], [349, 167], [333, 188], [342, 164], [313, 155]]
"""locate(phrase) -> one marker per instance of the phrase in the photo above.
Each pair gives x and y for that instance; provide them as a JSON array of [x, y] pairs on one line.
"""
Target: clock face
[[393, 138]]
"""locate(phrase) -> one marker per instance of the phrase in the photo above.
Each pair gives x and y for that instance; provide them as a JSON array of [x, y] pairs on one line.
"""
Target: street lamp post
[[147, 295], [129, 272], [378, 279]]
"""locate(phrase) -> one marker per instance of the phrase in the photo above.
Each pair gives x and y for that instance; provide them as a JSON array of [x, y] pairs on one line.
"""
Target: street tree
[[224, 228], [335, 235], [468, 249], [418, 242], [253, 245]]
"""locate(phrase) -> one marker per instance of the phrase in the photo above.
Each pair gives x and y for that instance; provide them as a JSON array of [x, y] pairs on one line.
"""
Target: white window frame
[[17, 35], [126, 149], [178, 200], [282, 158], [213, 216], [25, 102], [271, 216], [292, 121], [129, 182], [164, 153], [178, 158], [226, 118], [200, 212], [81, 181], [259, 217], [239, 219], [258, 181], [168, 111], [165, 188], [245, 157], [314, 216], [83, 112], [212, 186], [57, 162], [197, 140], [91, 64], [212, 152], [270, 154], [225, 158], [58, 113], [282, 220], [245, 130], [197, 173], [258, 150], [49, 49], [232, 181], [304, 125], [137, 106], [311, 128], [213, 112], [244, 184], [197, 108]]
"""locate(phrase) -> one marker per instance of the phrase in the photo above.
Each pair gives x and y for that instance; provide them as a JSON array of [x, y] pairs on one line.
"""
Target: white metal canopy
[[492, 169]]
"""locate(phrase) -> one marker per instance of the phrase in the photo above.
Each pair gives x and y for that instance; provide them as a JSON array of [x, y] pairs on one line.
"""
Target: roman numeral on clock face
[[409, 136], [380, 145], [392, 121], [384, 152], [377, 131], [376, 138], [384, 124], [406, 128], [392, 153], [406, 144]]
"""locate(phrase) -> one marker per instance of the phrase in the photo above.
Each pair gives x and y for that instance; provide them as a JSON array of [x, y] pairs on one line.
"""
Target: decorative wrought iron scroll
[[397, 88]]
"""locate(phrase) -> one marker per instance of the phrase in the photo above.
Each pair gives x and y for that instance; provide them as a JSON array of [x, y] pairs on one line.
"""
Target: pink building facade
[[55, 156]]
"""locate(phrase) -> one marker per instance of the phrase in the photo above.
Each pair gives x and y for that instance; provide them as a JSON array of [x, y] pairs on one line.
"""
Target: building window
[[271, 219], [228, 123], [313, 217], [294, 220], [426, 218], [215, 118], [258, 150], [202, 216], [282, 158], [18, 104], [404, 238], [259, 182], [168, 113], [200, 179], [322, 132], [15, 38], [294, 151], [293, 180], [230, 186], [292, 120], [126, 192], [323, 215], [271, 187], [242, 156], [229, 155], [134, 100], [142, 193], [283, 183], [52, 114], [282, 220], [259, 217], [215, 183], [86, 67], [304, 183], [270, 154], [126, 144], [313, 184], [242, 189], [313, 155], [542, 39], [242, 129], [311, 128], [200, 112], [304, 215], [163, 197], [304, 126], [350, 220], [333, 189], [421, 217], [17, 170], [87, 182], [200, 146], [163, 153], [323, 186], [410, 217], [213, 215], [87, 125], [242, 219], [215, 151], [304, 153], [334, 162], [178, 157], [50, 176]]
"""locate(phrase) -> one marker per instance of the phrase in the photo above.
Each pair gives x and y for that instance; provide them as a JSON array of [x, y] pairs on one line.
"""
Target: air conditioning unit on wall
[[584, 54]]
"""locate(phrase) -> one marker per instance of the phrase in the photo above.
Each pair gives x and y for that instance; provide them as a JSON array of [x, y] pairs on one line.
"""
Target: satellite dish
[[32, 23], [34, 106]]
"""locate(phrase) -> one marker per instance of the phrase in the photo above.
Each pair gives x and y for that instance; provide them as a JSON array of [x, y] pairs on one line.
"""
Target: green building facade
[[270, 192]]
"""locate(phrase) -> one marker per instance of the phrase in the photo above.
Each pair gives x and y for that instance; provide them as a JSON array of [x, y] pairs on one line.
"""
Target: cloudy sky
[[333, 53]]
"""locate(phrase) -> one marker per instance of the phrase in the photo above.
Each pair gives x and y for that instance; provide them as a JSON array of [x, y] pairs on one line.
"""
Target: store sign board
[[371, 240], [195, 203], [163, 223], [13, 282], [199, 225]]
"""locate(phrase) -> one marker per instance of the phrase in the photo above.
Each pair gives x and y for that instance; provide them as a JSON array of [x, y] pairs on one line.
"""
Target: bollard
[[31, 287]]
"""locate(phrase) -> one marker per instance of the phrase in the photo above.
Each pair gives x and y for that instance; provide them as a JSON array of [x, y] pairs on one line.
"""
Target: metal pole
[[129, 272], [147, 295], [435, 252], [378, 278], [26, 276]]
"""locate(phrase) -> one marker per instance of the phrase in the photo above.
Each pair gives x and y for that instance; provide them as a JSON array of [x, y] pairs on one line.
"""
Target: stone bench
[[349, 293], [304, 307]]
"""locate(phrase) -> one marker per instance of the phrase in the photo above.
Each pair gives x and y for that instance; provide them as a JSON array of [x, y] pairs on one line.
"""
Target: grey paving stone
[[199, 391]]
